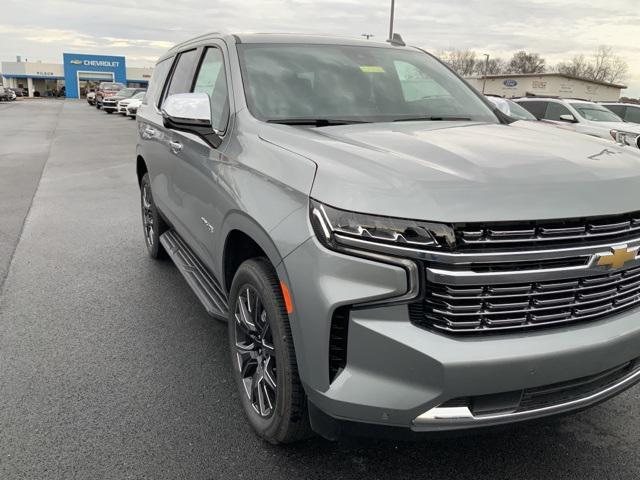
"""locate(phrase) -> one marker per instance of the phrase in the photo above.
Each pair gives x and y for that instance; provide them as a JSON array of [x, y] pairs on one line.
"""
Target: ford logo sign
[[510, 82]]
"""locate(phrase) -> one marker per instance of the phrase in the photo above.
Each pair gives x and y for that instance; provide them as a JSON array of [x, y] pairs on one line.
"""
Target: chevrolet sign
[[94, 63]]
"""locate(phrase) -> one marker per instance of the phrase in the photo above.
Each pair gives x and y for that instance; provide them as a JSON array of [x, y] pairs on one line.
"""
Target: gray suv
[[392, 254]]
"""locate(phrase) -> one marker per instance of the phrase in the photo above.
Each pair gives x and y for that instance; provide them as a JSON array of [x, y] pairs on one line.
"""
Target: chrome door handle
[[176, 147], [149, 132]]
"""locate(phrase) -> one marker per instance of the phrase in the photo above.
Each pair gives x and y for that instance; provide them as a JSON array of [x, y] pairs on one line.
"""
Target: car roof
[[301, 38]]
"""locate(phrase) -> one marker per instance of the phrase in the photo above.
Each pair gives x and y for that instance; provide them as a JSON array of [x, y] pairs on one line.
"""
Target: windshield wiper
[[316, 122], [432, 119]]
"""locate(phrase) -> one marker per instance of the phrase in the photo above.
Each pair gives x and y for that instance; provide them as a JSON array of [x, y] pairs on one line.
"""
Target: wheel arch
[[244, 238], [141, 168]]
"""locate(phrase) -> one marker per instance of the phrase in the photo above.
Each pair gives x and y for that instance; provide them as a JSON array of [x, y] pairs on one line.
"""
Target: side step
[[206, 288]]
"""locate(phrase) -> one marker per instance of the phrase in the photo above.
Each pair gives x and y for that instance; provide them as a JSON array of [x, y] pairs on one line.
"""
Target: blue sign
[[91, 67], [510, 82]]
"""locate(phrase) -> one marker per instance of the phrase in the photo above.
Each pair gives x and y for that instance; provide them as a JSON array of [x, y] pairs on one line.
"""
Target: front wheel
[[263, 356], [152, 223]]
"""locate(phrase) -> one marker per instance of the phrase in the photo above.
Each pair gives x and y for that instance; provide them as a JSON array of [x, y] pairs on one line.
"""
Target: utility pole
[[486, 69], [393, 7], [368, 35]]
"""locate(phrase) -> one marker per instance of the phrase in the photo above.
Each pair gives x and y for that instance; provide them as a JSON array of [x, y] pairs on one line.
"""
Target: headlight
[[628, 138], [338, 229]]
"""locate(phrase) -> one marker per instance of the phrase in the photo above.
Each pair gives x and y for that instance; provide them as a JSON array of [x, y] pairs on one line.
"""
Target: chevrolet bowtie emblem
[[618, 257]]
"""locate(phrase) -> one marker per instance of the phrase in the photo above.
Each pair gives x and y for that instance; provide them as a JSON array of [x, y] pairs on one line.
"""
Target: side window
[[182, 73], [537, 109], [554, 110], [157, 81], [617, 109], [211, 79], [633, 114]]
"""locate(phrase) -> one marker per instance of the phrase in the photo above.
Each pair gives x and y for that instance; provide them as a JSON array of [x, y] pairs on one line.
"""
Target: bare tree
[[523, 62], [494, 66], [464, 62], [578, 67], [604, 66]]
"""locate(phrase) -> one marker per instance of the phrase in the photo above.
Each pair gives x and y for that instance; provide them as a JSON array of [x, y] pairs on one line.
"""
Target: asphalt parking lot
[[110, 368]]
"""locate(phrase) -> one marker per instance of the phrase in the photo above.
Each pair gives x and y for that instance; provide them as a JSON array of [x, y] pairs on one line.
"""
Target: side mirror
[[567, 117], [190, 112]]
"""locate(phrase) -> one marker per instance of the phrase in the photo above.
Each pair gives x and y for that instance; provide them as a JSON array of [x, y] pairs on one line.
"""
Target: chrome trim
[[462, 417]]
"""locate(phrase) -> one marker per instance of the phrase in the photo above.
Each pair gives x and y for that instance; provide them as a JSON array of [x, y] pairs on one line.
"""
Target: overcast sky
[[557, 29]]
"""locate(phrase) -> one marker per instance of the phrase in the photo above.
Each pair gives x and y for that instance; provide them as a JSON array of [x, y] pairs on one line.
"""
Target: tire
[[284, 418], [153, 225], [108, 111]]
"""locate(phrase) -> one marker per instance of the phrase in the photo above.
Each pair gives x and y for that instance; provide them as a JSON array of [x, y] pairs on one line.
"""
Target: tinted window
[[554, 110], [182, 73], [212, 80], [157, 81], [633, 114], [617, 109], [538, 109], [353, 83]]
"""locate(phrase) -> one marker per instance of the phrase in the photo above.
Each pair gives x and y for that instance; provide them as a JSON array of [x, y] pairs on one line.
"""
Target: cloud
[[557, 29]]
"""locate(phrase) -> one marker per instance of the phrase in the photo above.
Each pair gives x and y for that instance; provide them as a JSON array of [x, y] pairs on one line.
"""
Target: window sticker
[[371, 69]]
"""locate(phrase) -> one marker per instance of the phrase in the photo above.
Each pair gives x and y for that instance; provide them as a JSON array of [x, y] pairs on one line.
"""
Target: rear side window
[[617, 109], [182, 77], [633, 114], [537, 109], [212, 80], [157, 81], [554, 110]]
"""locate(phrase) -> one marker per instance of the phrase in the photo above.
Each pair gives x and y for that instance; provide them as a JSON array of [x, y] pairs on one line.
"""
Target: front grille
[[503, 277], [546, 396], [545, 233], [524, 305]]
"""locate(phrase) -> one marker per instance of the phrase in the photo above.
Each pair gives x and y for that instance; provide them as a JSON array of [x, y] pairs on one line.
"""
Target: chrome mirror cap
[[188, 108]]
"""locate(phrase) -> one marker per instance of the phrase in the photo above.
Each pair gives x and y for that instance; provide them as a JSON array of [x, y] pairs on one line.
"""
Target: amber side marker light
[[287, 297]]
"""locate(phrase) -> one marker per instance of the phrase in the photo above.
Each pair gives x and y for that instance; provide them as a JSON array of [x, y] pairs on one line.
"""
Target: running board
[[203, 284]]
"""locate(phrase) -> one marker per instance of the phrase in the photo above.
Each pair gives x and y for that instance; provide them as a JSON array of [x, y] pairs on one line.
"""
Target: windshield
[[138, 96], [511, 108], [353, 83], [127, 92], [595, 113]]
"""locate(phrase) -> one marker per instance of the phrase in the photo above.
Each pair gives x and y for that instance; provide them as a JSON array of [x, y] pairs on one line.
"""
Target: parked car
[[4, 94], [511, 108], [387, 249], [133, 105], [124, 103], [20, 92], [629, 112], [580, 116], [91, 96], [110, 103], [106, 89]]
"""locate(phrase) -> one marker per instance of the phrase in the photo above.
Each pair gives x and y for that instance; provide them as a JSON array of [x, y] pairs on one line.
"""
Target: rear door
[[197, 162]]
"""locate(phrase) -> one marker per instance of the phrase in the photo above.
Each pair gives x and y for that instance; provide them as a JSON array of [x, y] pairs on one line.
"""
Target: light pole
[[486, 69], [393, 7]]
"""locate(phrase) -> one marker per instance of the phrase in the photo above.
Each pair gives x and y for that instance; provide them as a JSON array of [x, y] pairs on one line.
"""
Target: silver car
[[390, 251]]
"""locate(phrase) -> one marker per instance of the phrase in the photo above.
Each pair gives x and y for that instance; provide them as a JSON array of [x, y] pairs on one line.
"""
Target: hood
[[465, 171], [622, 126]]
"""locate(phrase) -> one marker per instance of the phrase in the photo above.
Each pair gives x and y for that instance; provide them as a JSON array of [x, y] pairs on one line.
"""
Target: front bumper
[[109, 106], [396, 372]]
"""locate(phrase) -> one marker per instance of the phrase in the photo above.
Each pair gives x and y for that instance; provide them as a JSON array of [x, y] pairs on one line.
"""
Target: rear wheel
[[263, 356], [152, 223]]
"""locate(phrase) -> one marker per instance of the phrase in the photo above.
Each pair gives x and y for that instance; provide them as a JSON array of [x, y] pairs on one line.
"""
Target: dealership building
[[547, 84], [77, 73]]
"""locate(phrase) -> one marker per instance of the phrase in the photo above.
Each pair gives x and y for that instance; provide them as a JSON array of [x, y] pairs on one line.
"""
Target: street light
[[486, 69]]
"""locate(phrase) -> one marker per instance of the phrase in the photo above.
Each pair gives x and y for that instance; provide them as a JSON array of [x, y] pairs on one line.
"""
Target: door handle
[[149, 132], [176, 147]]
